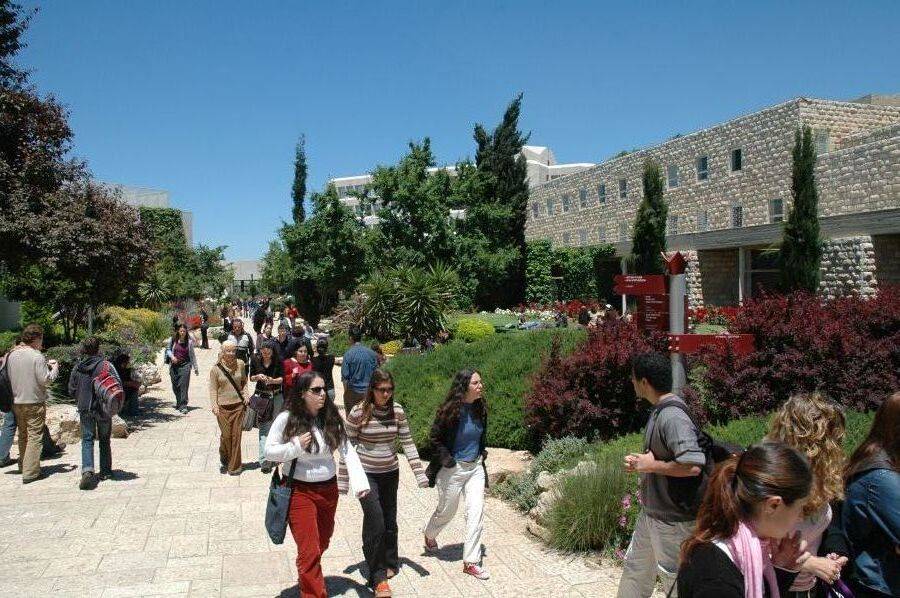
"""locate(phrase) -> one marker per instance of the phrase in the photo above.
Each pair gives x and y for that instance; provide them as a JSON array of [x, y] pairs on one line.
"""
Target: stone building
[[728, 188]]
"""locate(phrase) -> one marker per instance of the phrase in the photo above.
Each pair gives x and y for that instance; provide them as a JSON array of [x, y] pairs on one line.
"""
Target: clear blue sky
[[206, 98]]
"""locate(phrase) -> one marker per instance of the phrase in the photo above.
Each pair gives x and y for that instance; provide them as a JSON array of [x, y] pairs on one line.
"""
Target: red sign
[[675, 264], [653, 312], [741, 344], [633, 284]]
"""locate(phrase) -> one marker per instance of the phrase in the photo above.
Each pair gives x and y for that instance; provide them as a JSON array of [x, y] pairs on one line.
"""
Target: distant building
[[153, 198], [246, 272], [540, 161], [728, 188]]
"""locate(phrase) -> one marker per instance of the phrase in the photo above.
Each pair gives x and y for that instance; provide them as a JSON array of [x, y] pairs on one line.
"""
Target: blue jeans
[[94, 428], [6, 434]]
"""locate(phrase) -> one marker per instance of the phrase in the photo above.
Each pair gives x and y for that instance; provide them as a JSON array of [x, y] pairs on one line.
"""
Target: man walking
[[356, 371], [244, 343], [669, 469], [29, 374], [93, 426]]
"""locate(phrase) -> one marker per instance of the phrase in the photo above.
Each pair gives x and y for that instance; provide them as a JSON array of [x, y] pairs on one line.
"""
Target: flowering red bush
[[847, 348], [193, 322], [589, 393], [571, 308], [722, 316]]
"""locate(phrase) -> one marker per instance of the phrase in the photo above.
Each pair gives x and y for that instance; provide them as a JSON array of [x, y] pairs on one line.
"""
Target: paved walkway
[[172, 525]]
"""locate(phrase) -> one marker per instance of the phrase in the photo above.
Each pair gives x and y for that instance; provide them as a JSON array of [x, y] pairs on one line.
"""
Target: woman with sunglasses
[[374, 426], [304, 439]]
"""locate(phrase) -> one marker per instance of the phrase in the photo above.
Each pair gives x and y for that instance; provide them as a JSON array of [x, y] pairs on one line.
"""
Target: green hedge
[[472, 329], [505, 361], [7, 340]]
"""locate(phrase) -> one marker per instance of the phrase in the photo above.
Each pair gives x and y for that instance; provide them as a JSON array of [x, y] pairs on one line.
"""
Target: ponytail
[[741, 483]]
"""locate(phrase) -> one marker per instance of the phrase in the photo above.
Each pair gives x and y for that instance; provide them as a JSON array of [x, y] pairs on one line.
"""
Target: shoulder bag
[[278, 504]]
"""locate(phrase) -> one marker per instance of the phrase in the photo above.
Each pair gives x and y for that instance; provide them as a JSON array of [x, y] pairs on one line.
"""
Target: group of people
[[784, 518]]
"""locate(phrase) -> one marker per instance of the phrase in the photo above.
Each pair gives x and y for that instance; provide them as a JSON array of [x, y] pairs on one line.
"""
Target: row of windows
[[776, 214]]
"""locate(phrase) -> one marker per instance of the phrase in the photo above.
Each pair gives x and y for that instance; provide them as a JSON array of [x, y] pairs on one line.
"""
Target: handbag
[[838, 590], [278, 504], [262, 405], [249, 421]]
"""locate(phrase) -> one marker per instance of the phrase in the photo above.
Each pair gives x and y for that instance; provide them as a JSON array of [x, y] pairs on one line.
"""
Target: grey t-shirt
[[671, 436]]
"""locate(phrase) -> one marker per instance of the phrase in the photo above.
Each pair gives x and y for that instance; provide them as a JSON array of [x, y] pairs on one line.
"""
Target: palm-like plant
[[153, 291], [380, 310], [421, 304]]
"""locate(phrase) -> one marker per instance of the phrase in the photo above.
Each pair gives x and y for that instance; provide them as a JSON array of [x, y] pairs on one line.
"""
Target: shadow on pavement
[[404, 562], [153, 411], [335, 586]]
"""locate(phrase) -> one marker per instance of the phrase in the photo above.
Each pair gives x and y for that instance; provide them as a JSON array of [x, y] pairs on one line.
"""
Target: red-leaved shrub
[[849, 349], [589, 393]]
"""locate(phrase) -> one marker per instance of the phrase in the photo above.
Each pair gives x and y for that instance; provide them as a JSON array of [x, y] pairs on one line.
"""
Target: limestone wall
[[848, 267]]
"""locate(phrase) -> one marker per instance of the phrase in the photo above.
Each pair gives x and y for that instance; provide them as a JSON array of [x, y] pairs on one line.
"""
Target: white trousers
[[466, 479], [654, 547]]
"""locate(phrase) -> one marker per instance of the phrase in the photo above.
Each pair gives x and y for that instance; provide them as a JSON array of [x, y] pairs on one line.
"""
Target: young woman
[[375, 426], [815, 427], [307, 435], [323, 364], [294, 367], [265, 334], [227, 380], [458, 443], [871, 513], [181, 359], [267, 371], [744, 545]]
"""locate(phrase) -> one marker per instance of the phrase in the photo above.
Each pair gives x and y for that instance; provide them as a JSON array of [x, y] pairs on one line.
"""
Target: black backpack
[[688, 492], [6, 392]]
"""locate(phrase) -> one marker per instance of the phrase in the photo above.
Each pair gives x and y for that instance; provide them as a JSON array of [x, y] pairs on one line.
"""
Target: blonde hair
[[815, 427], [225, 344]]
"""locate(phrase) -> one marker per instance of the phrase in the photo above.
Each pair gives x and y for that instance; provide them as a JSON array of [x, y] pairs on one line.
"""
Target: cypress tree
[[298, 191], [801, 249], [649, 237]]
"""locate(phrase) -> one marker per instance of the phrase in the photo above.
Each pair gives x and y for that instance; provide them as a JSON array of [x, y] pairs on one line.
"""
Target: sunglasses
[[384, 389], [317, 390]]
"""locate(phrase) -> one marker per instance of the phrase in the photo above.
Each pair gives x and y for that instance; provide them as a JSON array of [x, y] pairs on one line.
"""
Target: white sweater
[[312, 467]]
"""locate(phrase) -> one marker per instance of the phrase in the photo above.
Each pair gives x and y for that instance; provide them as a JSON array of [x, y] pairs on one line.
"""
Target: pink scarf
[[751, 555]]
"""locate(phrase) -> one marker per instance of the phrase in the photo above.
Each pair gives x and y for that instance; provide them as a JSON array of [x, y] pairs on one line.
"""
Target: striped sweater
[[376, 442]]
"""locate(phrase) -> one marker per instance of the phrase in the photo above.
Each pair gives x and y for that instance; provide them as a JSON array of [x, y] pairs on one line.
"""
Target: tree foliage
[[801, 249], [649, 237], [298, 190]]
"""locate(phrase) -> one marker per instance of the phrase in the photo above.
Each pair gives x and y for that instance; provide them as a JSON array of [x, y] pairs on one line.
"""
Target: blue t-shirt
[[359, 363], [467, 442]]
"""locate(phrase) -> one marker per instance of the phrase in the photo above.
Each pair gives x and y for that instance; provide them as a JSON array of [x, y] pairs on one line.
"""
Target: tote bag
[[278, 503]]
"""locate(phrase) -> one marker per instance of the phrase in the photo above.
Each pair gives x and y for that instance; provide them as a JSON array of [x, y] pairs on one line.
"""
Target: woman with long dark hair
[[267, 370], [376, 426], [744, 545], [871, 513], [307, 435], [458, 444], [181, 359]]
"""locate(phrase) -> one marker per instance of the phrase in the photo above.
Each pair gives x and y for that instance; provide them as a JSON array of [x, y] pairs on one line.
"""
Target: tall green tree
[[298, 190], [801, 249], [649, 236], [13, 23], [503, 202]]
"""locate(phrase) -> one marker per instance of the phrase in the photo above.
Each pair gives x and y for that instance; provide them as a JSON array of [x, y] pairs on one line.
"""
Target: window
[[672, 175], [566, 202], [821, 139], [672, 225], [601, 193], [582, 237], [623, 189], [737, 216], [776, 210], [535, 210], [702, 221], [737, 160], [623, 231], [549, 206], [582, 196], [567, 239], [703, 168]]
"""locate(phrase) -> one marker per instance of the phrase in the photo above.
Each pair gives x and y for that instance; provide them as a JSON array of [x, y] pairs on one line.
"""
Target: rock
[[542, 509], [119, 427], [64, 424], [539, 530], [501, 463], [545, 481], [148, 374]]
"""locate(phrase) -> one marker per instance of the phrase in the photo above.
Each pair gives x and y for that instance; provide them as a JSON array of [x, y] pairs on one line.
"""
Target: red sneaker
[[476, 571], [383, 590]]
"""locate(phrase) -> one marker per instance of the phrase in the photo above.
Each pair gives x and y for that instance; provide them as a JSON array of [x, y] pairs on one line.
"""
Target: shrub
[[506, 362], [589, 393], [559, 453], [519, 489], [472, 329], [849, 349], [392, 347], [7, 340], [150, 326]]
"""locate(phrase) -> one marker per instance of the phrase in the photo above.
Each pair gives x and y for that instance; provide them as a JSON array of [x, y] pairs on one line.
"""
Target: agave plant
[[154, 291], [380, 310], [421, 304]]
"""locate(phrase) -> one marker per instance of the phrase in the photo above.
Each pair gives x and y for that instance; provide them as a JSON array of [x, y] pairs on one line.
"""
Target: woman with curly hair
[[815, 427], [457, 469]]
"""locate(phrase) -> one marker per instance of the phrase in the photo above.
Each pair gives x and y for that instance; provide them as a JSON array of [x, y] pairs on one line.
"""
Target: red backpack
[[108, 392]]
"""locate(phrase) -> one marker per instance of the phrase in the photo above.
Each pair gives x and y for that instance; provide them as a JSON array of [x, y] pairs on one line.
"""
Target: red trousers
[[311, 517]]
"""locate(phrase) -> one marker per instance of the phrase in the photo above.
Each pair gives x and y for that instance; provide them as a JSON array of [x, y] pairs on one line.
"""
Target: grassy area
[[506, 363], [489, 317], [710, 329]]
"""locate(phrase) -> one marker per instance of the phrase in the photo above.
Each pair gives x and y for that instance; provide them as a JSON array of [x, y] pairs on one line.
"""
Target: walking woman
[[458, 441], [267, 371], [181, 359], [871, 513], [815, 427], [295, 366], [226, 396], [744, 545], [375, 426], [306, 436], [323, 362]]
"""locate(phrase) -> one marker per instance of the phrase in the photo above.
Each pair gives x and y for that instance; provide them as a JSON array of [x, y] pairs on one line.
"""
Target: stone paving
[[170, 524]]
